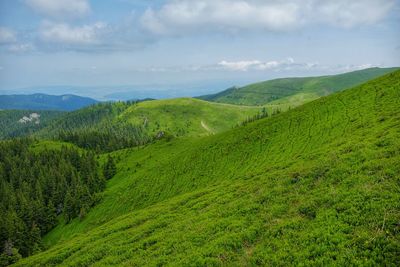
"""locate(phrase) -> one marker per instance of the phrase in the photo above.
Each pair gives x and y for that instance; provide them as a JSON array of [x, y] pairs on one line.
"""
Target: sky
[[103, 47]]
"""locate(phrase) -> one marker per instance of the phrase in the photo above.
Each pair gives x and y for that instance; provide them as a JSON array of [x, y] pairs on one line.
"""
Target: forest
[[39, 188]]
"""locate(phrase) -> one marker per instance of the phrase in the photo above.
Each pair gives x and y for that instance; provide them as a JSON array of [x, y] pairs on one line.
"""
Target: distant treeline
[[260, 115]]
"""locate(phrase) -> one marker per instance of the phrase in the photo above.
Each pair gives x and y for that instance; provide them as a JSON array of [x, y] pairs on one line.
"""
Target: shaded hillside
[[45, 102], [317, 185], [15, 123], [294, 91]]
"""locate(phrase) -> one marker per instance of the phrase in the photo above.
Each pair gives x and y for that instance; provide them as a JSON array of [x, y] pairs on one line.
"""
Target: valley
[[323, 176]]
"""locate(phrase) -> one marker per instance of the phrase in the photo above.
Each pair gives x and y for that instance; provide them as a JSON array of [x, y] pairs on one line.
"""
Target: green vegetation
[[15, 123], [291, 92], [38, 185], [317, 185], [96, 128], [112, 126], [186, 116]]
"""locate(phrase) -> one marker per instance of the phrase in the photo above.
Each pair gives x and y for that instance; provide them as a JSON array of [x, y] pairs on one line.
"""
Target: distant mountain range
[[45, 102]]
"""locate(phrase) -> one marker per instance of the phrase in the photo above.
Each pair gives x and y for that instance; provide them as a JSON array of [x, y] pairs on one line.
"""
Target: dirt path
[[206, 127]]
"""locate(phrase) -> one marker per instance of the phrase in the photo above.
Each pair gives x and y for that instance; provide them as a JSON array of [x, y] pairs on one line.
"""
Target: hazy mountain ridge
[[45, 102]]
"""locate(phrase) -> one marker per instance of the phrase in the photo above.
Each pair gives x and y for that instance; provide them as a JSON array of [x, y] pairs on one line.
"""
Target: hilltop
[[112, 126], [187, 116], [315, 185], [294, 91], [45, 102]]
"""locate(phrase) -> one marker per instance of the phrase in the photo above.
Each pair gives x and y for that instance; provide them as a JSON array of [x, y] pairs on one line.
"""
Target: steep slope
[[14, 123], [316, 185], [45, 102], [295, 91]]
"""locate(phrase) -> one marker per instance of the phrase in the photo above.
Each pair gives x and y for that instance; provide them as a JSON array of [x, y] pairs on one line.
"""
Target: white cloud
[[347, 13], [184, 15], [60, 8], [20, 48], [247, 65], [63, 33], [7, 36], [239, 65], [285, 65], [178, 17]]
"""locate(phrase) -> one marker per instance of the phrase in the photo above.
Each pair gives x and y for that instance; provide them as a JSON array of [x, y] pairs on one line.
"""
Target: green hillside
[[113, 126], [186, 116], [14, 123], [317, 185], [295, 91]]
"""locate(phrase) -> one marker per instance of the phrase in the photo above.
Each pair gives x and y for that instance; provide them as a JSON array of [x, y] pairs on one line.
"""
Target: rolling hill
[[45, 102], [187, 116], [179, 117], [294, 91], [114, 125], [317, 185]]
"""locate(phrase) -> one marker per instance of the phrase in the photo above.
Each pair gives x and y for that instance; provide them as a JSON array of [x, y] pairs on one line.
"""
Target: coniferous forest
[[40, 187]]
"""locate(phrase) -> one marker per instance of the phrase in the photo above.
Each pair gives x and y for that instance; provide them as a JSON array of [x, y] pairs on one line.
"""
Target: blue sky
[[182, 44]]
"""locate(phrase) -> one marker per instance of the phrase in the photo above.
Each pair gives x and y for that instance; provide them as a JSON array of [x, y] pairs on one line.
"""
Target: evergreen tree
[[110, 169], [36, 187]]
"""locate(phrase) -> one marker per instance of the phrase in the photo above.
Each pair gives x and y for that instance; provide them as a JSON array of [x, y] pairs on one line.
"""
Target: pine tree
[[110, 169]]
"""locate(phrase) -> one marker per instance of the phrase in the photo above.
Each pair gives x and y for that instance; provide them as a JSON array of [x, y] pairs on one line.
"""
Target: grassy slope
[[187, 116], [180, 117], [313, 185], [295, 91]]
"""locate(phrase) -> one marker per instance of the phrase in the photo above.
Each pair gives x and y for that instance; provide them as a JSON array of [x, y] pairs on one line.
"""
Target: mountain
[[294, 91], [45, 102], [317, 185]]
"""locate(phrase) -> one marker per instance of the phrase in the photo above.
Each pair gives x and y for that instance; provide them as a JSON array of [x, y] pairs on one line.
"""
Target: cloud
[[7, 36], [177, 17], [345, 13], [247, 65], [184, 15], [60, 8], [285, 65], [21, 48], [65, 34]]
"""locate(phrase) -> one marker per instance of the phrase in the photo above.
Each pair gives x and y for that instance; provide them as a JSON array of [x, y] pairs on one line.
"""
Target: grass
[[186, 116], [317, 185], [179, 117], [295, 91]]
